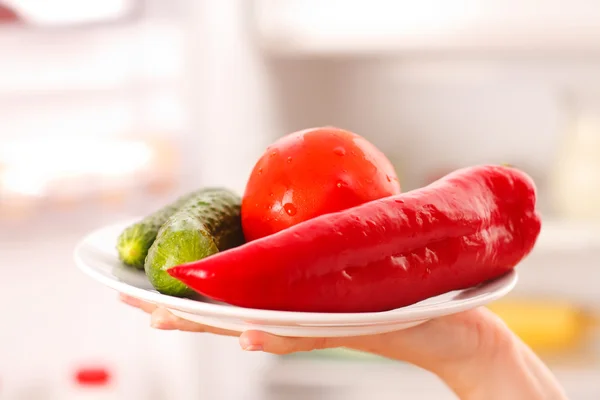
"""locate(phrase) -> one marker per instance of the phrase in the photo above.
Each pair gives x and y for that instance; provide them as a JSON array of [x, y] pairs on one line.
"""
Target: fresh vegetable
[[310, 173], [135, 240], [208, 223], [471, 226]]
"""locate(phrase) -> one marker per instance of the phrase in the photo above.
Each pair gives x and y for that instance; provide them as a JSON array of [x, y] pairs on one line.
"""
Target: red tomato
[[313, 172]]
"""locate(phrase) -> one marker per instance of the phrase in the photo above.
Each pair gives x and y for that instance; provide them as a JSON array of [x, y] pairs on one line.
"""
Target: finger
[[163, 319], [262, 341], [137, 303], [131, 301]]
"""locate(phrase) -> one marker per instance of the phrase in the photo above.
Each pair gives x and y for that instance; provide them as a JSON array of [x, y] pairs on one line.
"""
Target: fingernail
[[157, 323], [129, 300], [252, 347], [248, 346]]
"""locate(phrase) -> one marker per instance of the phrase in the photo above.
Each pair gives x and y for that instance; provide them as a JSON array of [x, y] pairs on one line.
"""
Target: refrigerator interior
[[110, 118]]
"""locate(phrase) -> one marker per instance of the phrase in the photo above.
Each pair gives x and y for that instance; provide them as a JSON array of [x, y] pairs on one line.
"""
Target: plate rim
[[504, 284]]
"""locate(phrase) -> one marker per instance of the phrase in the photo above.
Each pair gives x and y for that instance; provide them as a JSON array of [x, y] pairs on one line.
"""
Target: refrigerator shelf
[[361, 27]]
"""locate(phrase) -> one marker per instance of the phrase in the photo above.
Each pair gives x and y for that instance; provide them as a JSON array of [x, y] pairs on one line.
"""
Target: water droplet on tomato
[[340, 151], [289, 159], [260, 171], [388, 178], [290, 209], [341, 184], [399, 201], [273, 154], [271, 194]]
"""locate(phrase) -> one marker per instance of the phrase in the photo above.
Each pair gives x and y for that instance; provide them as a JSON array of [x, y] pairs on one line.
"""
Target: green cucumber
[[136, 239], [205, 225]]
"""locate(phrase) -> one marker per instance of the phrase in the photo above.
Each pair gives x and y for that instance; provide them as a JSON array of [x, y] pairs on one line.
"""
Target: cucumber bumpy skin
[[135, 241], [207, 224]]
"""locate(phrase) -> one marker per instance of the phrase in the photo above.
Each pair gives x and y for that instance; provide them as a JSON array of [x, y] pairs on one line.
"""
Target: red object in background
[[7, 15], [92, 377], [313, 172], [474, 225]]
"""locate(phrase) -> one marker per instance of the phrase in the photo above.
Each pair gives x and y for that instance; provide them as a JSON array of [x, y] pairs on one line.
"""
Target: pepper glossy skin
[[471, 226]]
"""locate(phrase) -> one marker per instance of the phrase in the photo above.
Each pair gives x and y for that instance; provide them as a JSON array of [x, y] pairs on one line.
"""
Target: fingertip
[[270, 343], [252, 341], [129, 300], [162, 319]]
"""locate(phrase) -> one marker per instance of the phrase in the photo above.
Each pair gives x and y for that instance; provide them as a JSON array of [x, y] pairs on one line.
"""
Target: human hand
[[473, 352]]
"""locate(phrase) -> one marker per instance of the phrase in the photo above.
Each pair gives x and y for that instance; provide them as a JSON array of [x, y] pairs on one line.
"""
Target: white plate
[[96, 256]]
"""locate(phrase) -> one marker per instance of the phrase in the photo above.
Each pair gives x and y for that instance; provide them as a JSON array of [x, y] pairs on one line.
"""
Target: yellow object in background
[[546, 326]]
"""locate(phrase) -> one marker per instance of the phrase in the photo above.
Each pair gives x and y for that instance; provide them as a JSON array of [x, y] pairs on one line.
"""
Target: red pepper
[[471, 226]]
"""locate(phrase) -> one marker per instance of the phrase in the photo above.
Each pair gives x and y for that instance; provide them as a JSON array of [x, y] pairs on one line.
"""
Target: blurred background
[[108, 109]]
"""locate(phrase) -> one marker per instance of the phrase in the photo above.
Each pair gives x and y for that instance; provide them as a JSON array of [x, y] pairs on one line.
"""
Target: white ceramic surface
[[96, 256]]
